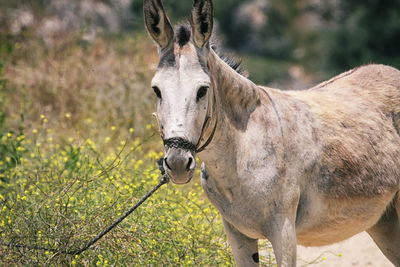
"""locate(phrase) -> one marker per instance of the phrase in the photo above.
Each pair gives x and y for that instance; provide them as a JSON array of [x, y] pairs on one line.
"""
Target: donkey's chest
[[244, 210]]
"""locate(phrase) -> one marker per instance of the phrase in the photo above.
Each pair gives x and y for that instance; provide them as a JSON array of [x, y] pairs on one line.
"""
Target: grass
[[61, 195], [78, 148]]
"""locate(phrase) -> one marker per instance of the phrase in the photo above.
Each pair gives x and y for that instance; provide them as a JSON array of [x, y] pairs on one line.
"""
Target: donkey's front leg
[[283, 239], [245, 250]]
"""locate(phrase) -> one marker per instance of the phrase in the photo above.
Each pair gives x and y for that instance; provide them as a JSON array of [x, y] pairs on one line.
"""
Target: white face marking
[[179, 112]]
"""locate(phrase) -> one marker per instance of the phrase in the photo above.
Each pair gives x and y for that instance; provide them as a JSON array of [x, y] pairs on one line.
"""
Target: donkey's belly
[[334, 220]]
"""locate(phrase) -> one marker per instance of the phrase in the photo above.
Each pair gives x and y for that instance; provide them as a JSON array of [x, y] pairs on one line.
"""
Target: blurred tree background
[[289, 39], [287, 43]]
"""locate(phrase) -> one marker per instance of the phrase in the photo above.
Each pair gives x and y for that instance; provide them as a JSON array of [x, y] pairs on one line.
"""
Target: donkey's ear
[[202, 21], [157, 22]]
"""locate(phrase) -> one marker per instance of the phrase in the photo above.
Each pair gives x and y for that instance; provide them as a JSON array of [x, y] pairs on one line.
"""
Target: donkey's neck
[[236, 95], [236, 98]]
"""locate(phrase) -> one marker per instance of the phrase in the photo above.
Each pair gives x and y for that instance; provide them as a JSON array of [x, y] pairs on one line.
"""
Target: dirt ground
[[359, 250]]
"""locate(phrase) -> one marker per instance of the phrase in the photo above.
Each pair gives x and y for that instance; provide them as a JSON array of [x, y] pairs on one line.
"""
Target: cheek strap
[[211, 118]]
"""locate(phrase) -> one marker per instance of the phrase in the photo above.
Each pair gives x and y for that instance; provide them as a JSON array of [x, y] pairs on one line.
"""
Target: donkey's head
[[182, 85]]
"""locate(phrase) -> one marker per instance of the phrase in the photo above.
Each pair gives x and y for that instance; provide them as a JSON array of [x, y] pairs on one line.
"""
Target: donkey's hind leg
[[386, 232]]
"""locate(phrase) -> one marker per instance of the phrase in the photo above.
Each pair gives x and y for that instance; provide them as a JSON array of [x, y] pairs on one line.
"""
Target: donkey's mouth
[[179, 179]]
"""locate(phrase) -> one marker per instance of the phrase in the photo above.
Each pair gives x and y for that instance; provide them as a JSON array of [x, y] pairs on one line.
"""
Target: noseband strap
[[179, 142]]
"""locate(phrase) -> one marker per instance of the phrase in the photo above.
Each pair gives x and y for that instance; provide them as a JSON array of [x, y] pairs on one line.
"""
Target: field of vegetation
[[78, 147]]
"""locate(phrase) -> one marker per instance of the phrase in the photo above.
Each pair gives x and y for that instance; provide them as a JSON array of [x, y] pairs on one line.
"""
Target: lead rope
[[163, 180]]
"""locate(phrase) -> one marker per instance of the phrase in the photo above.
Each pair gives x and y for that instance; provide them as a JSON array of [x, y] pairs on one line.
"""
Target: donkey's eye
[[201, 92], [157, 91]]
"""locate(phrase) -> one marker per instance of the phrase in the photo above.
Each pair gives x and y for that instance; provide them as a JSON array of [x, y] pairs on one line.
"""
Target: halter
[[207, 130]]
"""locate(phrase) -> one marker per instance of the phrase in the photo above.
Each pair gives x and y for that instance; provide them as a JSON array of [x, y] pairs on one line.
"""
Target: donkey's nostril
[[166, 163], [189, 163]]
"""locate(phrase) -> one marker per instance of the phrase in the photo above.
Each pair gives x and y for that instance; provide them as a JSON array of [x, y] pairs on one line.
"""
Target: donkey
[[308, 167]]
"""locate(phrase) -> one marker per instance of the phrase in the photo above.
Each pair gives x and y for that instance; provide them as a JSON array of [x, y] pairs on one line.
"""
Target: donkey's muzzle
[[180, 165]]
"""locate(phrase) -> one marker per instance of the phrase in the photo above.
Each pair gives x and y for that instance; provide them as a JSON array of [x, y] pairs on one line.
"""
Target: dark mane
[[183, 34], [233, 62]]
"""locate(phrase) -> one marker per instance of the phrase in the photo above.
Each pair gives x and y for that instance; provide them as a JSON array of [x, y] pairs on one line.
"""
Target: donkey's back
[[378, 84]]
